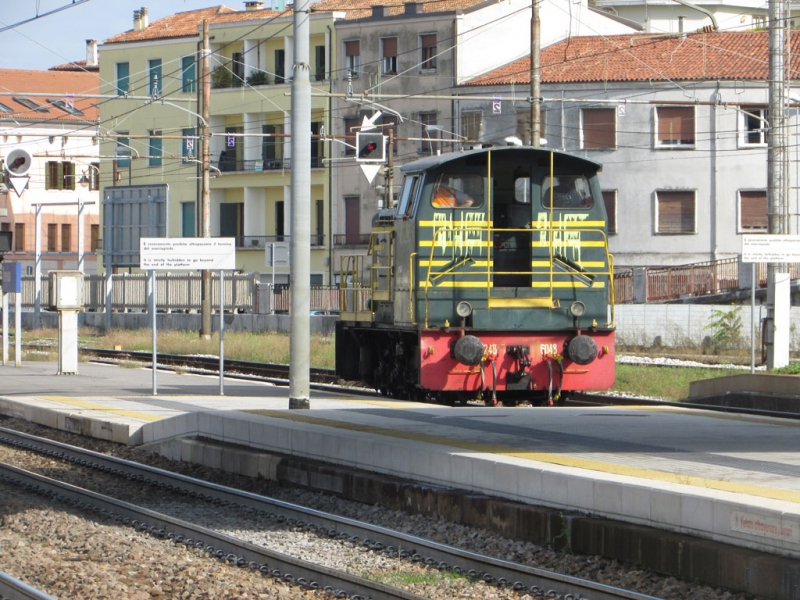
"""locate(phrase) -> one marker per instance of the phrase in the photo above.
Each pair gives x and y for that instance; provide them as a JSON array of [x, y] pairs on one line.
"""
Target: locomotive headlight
[[577, 309], [464, 309]]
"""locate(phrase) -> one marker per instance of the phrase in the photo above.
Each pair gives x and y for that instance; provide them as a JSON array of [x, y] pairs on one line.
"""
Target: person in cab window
[[447, 197], [566, 193]]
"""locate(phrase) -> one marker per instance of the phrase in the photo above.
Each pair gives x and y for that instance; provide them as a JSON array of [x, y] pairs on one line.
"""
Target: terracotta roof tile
[[78, 65], [700, 56], [17, 82], [359, 9], [182, 24]]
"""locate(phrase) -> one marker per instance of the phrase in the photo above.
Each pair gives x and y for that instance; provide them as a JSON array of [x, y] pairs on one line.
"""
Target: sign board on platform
[[770, 248], [194, 254], [12, 278]]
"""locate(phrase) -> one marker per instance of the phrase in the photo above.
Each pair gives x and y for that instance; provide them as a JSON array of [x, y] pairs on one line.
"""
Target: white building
[[679, 124]]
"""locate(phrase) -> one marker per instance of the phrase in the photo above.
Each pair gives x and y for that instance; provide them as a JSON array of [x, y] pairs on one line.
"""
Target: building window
[[52, 237], [156, 86], [187, 219], [599, 128], [319, 55], [67, 106], [352, 55], [674, 126], [28, 103], [280, 229], [19, 237], [610, 200], [430, 132], [471, 123], [123, 78], [272, 146], [351, 125], [317, 145], [319, 238], [280, 65], [94, 237], [389, 56], [188, 74], [123, 150], [188, 142], [427, 57], [238, 69], [66, 237], [675, 212], [753, 212], [231, 219], [59, 176], [753, 127], [155, 148], [352, 220], [94, 177]]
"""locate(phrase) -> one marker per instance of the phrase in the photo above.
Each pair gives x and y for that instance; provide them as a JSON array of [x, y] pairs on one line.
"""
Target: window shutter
[[610, 200], [599, 128], [675, 124], [352, 48], [754, 210], [390, 46], [675, 212], [428, 41], [48, 176]]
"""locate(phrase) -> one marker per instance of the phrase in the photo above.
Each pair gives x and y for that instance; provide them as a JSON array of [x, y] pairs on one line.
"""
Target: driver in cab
[[448, 197]]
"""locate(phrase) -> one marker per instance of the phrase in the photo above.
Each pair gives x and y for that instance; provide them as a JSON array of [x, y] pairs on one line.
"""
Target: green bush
[[257, 78], [725, 328], [790, 369], [221, 77]]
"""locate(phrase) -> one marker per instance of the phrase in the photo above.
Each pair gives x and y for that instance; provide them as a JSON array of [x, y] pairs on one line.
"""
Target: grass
[[670, 383]]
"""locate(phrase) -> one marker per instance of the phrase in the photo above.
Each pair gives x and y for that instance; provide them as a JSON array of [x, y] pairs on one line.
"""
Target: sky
[[61, 37]]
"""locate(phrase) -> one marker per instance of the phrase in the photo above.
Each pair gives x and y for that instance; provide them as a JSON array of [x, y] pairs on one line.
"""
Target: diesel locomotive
[[490, 280]]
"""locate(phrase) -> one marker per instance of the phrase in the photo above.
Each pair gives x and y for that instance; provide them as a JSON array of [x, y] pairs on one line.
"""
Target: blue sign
[[12, 278]]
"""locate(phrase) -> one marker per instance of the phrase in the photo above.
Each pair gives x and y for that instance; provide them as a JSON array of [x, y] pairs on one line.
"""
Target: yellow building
[[151, 125]]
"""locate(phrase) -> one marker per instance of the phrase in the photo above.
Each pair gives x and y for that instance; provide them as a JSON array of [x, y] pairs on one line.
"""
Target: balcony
[[259, 242], [228, 164], [342, 240]]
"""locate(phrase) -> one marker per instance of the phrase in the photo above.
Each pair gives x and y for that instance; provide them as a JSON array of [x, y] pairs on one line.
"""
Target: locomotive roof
[[430, 162]]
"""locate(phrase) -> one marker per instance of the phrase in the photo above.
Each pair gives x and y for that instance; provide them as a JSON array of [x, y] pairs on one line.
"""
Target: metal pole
[[5, 328], [299, 341], [18, 329], [153, 313], [221, 332], [753, 317], [37, 272], [108, 256], [205, 200], [80, 235]]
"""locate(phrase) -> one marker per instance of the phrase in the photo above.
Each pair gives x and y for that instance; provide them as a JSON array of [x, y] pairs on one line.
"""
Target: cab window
[[458, 191], [407, 195], [567, 191]]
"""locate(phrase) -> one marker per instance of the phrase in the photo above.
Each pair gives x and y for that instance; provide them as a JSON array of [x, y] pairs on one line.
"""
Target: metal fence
[[699, 279]]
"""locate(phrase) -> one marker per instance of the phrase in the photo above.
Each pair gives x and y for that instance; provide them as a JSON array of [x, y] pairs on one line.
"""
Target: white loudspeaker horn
[[18, 162]]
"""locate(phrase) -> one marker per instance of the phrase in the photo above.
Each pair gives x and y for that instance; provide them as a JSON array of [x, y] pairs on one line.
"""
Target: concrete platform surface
[[724, 477]]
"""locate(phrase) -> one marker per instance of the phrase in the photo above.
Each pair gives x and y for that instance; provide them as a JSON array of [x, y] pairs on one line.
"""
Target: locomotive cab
[[491, 280]]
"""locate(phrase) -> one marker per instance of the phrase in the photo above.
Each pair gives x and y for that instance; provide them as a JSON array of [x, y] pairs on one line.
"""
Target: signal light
[[371, 147]]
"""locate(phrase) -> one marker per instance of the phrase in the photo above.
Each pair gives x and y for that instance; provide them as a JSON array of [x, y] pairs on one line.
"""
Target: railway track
[[279, 375], [538, 583], [14, 589]]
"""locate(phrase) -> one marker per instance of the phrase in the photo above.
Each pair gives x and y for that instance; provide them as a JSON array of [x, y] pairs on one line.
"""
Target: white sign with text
[[211, 254], [770, 248]]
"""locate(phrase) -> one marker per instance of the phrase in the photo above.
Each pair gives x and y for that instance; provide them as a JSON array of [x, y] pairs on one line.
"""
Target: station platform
[[728, 478]]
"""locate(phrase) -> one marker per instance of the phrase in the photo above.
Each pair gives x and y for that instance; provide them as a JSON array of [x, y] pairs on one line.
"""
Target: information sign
[[12, 278], [187, 253], [770, 248]]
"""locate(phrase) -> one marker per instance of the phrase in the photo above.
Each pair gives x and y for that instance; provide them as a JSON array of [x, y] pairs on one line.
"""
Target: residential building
[[403, 62], [157, 142], [679, 124], [44, 116]]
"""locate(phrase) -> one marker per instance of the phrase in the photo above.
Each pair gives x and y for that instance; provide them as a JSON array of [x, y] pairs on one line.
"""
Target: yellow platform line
[[131, 414], [550, 458]]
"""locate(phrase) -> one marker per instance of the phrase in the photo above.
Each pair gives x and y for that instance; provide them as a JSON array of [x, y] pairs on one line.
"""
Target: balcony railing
[[259, 242], [232, 165], [351, 239]]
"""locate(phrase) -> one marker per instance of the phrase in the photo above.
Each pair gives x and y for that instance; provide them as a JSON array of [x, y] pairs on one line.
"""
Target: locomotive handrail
[[411, 288], [570, 268]]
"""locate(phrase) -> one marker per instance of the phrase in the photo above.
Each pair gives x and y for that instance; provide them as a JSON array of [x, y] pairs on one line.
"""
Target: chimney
[[91, 53], [413, 8], [137, 20], [379, 11], [145, 18], [253, 5]]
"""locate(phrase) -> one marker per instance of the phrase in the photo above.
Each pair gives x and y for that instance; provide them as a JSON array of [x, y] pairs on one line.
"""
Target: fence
[[671, 283]]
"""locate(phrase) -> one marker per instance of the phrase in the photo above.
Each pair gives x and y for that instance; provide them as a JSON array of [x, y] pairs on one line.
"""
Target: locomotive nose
[[582, 349], [468, 350]]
